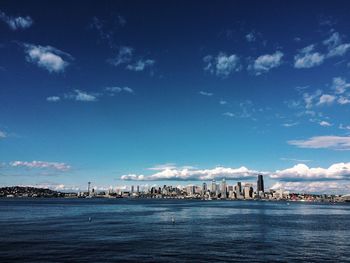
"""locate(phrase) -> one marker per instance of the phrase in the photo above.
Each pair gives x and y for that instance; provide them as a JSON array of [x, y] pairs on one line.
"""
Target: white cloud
[[222, 65], [41, 164], [222, 102], [333, 41], [313, 187], [129, 90], [250, 37], [229, 114], [344, 127], [301, 172], [16, 23], [325, 124], [266, 62], [306, 59], [309, 98], [290, 124], [339, 50], [204, 93], [125, 55], [326, 99], [340, 85], [141, 65], [114, 90], [49, 58], [2, 134], [53, 98], [80, 95], [343, 100], [335, 45], [180, 174], [324, 142]]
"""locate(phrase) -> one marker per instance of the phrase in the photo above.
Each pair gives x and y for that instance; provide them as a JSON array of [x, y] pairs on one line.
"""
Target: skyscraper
[[260, 183], [204, 188], [213, 186], [223, 188], [89, 186], [248, 191]]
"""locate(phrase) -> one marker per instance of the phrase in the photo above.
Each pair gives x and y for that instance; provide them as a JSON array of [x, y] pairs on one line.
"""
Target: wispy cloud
[[250, 37], [16, 23], [265, 63], [339, 85], [323, 142], [3, 134], [80, 95], [107, 29], [344, 127], [307, 58], [229, 114], [325, 124], [88, 96], [114, 90], [53, 98], [205, 93], [47, 57], [125, 55], [141, 65], [335, 45], [290, 124], [222, 65], [42, 165]]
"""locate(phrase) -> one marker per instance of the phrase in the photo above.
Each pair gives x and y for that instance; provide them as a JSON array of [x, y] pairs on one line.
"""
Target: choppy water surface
[[59, 230]]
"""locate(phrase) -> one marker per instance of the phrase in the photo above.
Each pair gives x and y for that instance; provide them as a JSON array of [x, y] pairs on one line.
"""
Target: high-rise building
[[248, 191], [204, 188], [138, 189], [239, 187], [213, 186], [223, 188], [260, 183], [132, 189], [89, 186]]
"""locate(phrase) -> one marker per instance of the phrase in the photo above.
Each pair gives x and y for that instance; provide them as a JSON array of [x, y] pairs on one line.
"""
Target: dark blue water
[[58, 230]]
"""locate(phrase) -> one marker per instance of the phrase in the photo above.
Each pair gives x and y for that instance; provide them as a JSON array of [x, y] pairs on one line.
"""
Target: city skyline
[[153, 93]]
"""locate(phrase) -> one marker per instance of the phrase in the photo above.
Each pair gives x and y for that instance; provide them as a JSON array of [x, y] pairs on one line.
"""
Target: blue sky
[[176, 93]]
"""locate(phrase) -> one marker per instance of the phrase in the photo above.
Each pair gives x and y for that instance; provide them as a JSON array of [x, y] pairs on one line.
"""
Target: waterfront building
[[238, 190], [248, 191], [213, 186], [223, 188], [260, 184], [204, 188], [89, 188], [132, 189]]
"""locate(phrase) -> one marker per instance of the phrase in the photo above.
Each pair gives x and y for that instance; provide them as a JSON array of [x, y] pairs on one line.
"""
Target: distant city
[[207, 191]]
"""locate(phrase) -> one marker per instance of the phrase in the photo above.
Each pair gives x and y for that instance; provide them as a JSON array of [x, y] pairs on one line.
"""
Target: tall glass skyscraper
[[260, 183]]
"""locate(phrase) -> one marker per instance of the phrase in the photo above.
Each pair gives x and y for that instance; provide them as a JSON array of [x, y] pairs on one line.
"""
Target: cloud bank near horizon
[[297, 173]]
